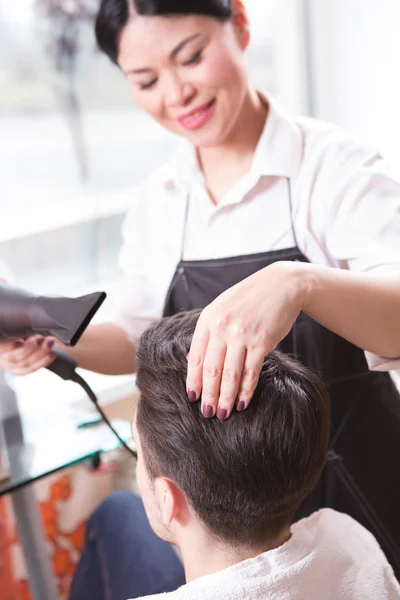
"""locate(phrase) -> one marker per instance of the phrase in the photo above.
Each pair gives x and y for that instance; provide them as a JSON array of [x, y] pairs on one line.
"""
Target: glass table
[[31, 449]]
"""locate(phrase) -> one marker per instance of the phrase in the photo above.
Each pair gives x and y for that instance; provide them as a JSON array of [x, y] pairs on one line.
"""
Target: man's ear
[[171, 501], [241, 23]]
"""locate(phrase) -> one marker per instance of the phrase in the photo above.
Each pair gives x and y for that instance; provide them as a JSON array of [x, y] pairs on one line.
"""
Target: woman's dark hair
[[113, 15], [245, 477]]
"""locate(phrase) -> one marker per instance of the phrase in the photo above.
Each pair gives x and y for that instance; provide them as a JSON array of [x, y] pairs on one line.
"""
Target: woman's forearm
[[104, 348], [363, 308]]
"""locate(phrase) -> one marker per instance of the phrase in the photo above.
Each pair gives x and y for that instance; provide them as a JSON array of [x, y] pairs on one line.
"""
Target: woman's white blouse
[[346, 213]]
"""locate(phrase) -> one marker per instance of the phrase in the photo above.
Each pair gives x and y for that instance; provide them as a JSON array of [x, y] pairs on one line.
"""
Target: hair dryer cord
[[78, 379], [64, 366]]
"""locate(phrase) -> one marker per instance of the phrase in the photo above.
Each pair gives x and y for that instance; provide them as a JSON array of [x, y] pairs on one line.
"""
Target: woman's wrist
[[308, 276], [302, 281]]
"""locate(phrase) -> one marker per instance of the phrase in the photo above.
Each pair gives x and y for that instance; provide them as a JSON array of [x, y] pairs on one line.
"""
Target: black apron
[[362, 476]]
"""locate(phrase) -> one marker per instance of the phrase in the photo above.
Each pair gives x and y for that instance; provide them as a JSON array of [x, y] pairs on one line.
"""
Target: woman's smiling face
[[187, 72]]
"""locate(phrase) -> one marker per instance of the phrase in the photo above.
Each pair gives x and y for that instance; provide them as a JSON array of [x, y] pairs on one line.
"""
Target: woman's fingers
[[10, 345], [221, 370], [237, 330], [35, 365], [196, 357], [230, 380], [26, 356], [251, 372], [24, 350], [212, 373]]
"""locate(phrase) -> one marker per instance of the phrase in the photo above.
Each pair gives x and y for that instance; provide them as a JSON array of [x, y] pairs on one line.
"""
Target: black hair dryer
[[23, 314]]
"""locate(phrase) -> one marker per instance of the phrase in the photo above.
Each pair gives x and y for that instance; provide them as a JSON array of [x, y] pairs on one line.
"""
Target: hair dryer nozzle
[[23, 314], [70, 316], [90, 304]]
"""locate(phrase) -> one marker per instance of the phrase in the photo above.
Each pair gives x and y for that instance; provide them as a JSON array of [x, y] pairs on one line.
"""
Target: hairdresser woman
[[284, 228]]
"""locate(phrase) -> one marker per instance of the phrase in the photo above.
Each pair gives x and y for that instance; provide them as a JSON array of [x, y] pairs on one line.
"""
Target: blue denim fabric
[[122, 557]]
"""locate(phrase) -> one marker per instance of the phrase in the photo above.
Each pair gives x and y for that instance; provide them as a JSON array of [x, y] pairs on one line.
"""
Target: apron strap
[[291, 212], [185, 225]]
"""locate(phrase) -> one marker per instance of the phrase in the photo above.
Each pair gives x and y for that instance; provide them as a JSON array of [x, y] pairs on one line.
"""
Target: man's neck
[[203, 555]]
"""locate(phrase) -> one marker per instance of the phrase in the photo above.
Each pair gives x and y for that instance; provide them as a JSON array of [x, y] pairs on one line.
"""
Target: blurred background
[[73, 145]]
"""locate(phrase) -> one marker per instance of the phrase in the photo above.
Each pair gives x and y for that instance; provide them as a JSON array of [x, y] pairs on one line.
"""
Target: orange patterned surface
[[64, 547], [77, 537], [9, 586], [24, 590]]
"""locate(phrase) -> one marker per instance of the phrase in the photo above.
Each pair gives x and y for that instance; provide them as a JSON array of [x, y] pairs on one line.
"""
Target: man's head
[[241, 479]]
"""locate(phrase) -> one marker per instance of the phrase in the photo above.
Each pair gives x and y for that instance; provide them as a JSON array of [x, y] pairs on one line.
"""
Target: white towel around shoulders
[[328, 557]]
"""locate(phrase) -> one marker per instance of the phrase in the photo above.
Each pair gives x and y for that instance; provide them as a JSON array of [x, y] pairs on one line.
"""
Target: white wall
[[278, 51], [355, 58], [291, 54]]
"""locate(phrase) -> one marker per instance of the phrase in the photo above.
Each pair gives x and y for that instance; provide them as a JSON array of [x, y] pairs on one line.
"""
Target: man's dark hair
[[113, 15], [245, 477]]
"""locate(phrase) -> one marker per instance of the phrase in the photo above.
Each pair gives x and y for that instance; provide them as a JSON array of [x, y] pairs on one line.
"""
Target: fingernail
[[50, 344], [18, 345], [208, 411], [192, 396], [240, 406], [222, 414], [40, 341]]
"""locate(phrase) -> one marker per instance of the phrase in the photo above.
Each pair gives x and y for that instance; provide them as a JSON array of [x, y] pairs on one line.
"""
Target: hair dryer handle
[[64, 365]]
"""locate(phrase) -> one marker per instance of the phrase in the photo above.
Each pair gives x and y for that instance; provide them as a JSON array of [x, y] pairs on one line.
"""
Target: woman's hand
[[236, 332], [26, 355], [20, 357]]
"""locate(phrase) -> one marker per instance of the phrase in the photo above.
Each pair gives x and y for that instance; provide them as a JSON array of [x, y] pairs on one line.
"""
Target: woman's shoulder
[[326, 142], [323, 147]]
